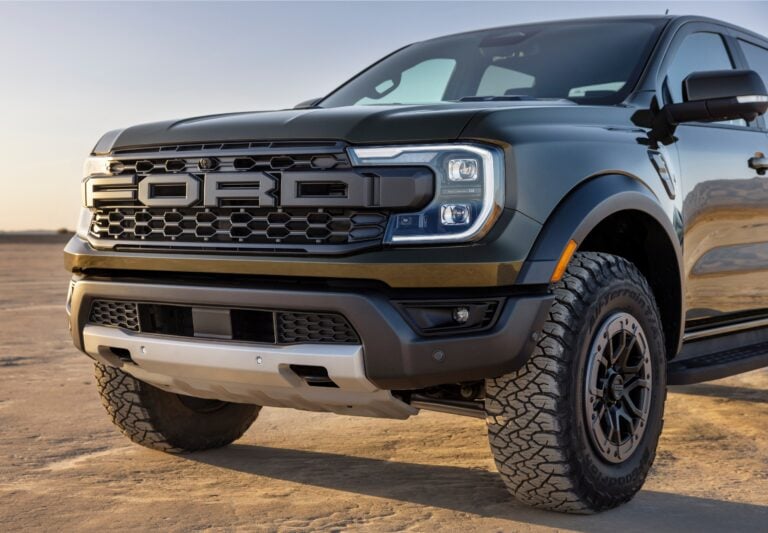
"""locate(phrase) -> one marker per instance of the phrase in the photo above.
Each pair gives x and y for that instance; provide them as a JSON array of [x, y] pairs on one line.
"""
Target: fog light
[[455, 214], [409, 221], [463, 170], [460, 315], [450, 317]]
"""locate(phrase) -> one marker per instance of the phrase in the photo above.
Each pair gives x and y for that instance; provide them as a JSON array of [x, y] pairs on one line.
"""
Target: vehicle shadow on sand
[[726, 392], [477, 491]]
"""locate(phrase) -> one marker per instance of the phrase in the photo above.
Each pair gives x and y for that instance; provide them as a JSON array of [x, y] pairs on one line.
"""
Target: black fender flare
[[586, 206]]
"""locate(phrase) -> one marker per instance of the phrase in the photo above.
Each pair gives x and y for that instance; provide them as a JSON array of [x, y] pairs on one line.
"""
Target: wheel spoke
[[599, 415], [611, 427], [622, 413], [628, 402], [617, 422], [616, 354], [597, 387], [624, 357], [609, 350], [635, 383]]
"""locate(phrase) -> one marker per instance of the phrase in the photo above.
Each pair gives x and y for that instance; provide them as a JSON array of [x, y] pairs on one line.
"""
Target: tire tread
[[127, 400], [529, 413]]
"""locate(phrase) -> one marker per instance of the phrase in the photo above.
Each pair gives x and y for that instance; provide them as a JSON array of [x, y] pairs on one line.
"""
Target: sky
[[70, 72]]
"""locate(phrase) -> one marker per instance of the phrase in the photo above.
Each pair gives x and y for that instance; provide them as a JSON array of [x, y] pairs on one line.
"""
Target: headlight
[[96, 165], [93, 166], [469, 191], [84, 223]]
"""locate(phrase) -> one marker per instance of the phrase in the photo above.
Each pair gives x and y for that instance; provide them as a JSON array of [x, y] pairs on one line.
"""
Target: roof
[[678, 19]]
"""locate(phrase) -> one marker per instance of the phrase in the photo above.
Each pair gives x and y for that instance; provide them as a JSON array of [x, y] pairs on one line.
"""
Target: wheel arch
[[618, 214]]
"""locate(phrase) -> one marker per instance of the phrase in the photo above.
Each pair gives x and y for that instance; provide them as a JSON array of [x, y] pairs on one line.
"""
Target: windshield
[[592, 62]]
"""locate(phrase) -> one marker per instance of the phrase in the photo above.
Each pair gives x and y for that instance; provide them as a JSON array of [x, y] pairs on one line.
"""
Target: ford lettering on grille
[[183, 190], [258, 189], [299, 203]]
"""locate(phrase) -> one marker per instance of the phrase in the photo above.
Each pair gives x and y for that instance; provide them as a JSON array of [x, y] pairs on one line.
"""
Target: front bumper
[[392, 356]]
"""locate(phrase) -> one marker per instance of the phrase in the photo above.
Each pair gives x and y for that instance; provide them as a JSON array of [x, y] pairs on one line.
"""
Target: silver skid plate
[[246, 373]]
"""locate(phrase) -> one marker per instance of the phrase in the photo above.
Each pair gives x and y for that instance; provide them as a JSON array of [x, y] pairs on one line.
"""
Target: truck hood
[[354, 124]]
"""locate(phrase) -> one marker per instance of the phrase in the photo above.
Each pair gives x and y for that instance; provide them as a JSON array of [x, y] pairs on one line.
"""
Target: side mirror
[[720, 95], [713, 96], [308, 104]]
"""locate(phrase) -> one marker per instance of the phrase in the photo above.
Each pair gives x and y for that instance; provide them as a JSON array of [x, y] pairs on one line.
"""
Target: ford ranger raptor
[[539, 225]]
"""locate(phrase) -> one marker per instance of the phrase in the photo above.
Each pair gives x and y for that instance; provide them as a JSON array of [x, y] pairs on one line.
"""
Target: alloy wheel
[[618, 392]]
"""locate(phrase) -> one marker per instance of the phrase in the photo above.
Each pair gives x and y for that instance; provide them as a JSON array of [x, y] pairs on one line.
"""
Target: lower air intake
[[247, 325], [115, 314]]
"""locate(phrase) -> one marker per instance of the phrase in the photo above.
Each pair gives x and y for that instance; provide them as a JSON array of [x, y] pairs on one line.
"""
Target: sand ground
[[64, 467]]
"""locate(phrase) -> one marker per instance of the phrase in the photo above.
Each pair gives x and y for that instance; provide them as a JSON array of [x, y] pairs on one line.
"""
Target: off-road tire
[[165, 421], [536, 416]]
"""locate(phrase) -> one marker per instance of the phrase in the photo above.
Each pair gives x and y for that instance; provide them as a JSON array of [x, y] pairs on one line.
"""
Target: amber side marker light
[[562, 263]]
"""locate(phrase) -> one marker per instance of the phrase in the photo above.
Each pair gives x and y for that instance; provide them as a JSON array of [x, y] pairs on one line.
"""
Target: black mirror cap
[[720, 95], [717, 84]]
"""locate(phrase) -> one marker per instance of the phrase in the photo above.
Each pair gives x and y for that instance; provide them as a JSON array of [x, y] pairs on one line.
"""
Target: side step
[[719, 357]]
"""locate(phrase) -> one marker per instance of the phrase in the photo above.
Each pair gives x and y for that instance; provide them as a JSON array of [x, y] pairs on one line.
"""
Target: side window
[[699, 52], [423, 82], [757, 58], [500, 81]]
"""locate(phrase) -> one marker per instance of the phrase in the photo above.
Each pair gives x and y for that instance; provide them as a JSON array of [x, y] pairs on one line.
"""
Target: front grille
[[286, 147], [243, 224], [239, 226], [248, 325], [111, 313]]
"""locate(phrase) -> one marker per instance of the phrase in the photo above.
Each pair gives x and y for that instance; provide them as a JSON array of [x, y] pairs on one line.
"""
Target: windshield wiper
[[510, 98]]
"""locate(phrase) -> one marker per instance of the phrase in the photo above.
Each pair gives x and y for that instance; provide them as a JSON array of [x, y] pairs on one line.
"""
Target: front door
[[725, 202]]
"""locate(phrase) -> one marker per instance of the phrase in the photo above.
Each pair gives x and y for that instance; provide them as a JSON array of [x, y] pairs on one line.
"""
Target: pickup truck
[[540, 225]]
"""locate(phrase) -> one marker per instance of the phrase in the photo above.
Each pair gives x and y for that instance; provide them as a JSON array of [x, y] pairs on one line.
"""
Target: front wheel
[[166, 421], [576, 429]]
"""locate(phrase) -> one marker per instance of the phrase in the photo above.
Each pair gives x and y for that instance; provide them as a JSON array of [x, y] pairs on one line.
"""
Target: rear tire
[[170, 422], [599, 364]]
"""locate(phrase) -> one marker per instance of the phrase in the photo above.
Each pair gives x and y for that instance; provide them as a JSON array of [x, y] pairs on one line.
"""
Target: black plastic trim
[[488, 323], [395, 356], [720, 357], [582, 210]]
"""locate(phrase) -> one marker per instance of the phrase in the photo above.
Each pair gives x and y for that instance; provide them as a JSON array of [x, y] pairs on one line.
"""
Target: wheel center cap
[[616, 387]]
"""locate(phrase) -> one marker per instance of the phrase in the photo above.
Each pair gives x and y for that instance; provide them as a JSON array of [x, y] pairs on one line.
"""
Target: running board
[[717, 365], [451, 407]]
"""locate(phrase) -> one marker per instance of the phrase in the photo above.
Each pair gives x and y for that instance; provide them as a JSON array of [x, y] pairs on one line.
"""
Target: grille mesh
[[315, 328], [236, 226], [245, 162], [282, 147], [291, 327], [115, 314]]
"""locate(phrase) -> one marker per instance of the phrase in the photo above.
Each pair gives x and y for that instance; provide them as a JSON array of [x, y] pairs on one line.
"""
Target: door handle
[[759, 163]]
